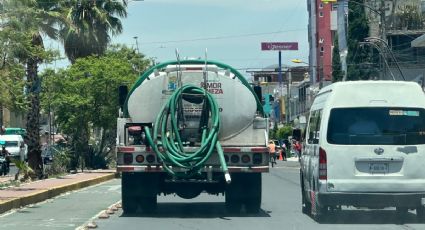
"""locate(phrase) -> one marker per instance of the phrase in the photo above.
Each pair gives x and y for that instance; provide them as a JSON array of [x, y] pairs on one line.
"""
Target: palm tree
[[91, 22], [33, 18]]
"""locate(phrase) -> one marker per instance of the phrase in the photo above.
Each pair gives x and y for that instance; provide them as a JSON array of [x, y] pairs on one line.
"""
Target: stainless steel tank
[[236, 102]]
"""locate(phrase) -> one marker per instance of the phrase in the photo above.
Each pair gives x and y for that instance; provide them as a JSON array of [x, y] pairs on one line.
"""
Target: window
[[370, 126], [314, 127], [320, 14], [321, 6]]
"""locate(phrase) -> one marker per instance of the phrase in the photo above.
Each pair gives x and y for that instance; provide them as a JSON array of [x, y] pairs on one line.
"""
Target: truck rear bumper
[[159, 168], [372, 200]]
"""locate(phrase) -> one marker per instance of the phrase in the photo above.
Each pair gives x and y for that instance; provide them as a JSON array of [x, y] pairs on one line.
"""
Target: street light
[[298, 61], [137, 44]]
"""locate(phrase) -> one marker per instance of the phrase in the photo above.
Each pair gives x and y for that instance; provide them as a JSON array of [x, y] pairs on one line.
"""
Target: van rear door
[[376, 149]]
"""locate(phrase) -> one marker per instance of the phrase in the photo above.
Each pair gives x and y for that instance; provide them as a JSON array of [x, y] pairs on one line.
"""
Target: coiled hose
[[172, 151]]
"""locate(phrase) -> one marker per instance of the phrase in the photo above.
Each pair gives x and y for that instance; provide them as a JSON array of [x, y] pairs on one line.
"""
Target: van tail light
[[323, 168]]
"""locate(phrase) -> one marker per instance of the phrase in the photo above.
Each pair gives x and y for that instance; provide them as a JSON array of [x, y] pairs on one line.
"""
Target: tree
[[90, 24], [30, 18], [85, 98], [358, 30], [337, 74]]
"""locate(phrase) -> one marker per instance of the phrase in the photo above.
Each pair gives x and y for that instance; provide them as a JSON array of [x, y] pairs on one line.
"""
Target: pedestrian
[[284, 149], [6, 155], [297, 147], [272, 152]]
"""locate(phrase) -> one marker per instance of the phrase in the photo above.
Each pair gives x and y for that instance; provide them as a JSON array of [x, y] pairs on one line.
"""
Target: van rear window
[[370, 126]]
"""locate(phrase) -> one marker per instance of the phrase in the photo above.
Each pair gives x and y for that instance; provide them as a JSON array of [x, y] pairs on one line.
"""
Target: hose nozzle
[[227, 178]]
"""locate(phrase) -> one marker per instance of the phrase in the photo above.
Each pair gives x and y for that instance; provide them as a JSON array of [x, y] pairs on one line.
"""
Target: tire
[[129, 205], [148, 204], [420, 214], [253, 191], [321, 214], [318, 212], [129, 200], [305, 204], [233, 204], [245, 189]]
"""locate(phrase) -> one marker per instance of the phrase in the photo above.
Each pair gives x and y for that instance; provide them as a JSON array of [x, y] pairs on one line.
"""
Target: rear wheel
[[128, 198], [306, 205], [245, 189], [139, 190], [148, 204], [318, 211], [233, 203]]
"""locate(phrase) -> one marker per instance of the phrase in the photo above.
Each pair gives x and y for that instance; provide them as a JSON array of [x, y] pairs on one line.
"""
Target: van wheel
[[318, 212], [305, 204], [420, 214]]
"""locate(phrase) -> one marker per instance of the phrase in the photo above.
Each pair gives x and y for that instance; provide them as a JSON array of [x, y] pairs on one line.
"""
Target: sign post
[[271, 46]]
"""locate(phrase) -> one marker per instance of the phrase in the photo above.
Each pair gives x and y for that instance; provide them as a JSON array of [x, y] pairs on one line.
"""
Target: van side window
[[314, 127]]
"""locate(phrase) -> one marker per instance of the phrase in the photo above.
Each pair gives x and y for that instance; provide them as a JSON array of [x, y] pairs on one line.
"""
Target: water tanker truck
[[188, 127]]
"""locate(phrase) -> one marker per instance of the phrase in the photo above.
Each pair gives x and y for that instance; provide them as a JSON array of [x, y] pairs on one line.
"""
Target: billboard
[[279, 46]]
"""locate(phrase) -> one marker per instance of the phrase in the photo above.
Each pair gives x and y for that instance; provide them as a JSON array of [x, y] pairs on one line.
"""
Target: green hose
[[172, 152]]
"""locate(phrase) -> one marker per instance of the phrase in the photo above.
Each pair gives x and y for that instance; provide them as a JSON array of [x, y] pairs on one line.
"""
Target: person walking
[[297, 147], [6, 155], [272, 153], [284, 151]]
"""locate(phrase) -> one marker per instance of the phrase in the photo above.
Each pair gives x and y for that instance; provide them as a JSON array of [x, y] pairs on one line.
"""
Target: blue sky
[[231, 30]]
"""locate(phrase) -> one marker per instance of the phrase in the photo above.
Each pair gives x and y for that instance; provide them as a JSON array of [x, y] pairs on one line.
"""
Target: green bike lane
[[67, 211]]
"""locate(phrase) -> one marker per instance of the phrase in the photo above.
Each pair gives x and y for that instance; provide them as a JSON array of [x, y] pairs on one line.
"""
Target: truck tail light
[[128, 158], [323, 168], [245, 159], [140, 158]]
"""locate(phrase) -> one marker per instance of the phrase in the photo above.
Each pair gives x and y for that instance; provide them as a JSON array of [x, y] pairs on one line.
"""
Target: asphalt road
[[280, 210]]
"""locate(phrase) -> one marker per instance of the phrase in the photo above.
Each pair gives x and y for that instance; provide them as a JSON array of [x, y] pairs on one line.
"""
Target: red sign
[[279, 46]]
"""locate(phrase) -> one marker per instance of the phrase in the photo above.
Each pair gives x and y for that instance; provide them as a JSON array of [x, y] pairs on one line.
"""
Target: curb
[[50, 193]]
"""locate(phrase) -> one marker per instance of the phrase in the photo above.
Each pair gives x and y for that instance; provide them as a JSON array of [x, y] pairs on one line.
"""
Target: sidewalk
[[37, 191]]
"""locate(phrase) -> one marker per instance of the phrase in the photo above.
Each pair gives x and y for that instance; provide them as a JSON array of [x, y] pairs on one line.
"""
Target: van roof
[[371, 93]]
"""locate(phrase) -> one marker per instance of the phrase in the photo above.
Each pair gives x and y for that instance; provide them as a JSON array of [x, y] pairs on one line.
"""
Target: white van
[[365, 147], [14, 145]]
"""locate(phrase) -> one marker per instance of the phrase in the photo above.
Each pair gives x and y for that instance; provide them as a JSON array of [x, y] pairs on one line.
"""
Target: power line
[[223, 37]]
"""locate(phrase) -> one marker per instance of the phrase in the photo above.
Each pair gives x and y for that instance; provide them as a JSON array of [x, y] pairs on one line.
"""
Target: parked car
[[15, 146], [15, 131]]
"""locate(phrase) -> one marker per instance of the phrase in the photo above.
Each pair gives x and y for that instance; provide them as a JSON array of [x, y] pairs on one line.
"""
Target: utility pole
[[288, 97]]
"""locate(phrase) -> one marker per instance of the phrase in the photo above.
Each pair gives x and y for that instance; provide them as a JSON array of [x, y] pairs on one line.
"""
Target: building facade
[[322, 31]]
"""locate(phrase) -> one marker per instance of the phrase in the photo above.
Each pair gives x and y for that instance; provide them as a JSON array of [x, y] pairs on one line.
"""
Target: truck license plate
[[378, 168]]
